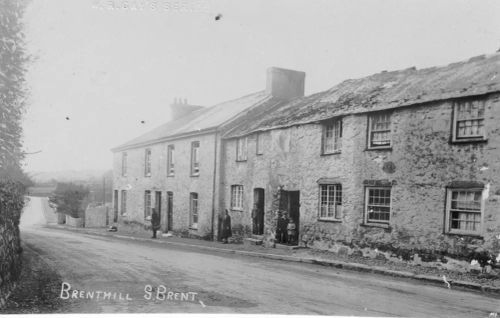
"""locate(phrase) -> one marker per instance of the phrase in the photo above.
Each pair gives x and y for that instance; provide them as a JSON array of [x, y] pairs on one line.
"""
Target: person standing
[[226, 228], [155, 222], [291, 231]]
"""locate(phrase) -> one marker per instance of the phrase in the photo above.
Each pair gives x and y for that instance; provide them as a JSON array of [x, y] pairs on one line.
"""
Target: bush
[[70, 199]]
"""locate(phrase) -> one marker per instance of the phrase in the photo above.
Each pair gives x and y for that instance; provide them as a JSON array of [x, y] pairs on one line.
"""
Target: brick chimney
[[285, 84], [180, 108]]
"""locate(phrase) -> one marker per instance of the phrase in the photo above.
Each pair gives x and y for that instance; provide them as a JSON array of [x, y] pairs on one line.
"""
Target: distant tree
[[70, 199]]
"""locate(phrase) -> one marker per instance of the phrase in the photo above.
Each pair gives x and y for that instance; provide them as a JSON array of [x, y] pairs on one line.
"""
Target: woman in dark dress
[[155, 222], [226, 227]]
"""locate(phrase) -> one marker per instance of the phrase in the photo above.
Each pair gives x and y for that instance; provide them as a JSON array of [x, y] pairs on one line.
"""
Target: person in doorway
[[256, 219], [291, 231], [282, 228], [226, 228], [155, 222]]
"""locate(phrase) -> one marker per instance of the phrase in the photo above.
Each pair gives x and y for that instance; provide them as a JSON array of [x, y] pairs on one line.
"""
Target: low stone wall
[[96, 216], [75, 222], [11, 204]]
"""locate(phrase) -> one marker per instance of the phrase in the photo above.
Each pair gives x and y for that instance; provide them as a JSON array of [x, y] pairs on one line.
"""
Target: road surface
[[227, 283]]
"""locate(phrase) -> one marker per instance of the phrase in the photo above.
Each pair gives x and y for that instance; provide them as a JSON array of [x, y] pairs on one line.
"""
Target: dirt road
[[227, 283]]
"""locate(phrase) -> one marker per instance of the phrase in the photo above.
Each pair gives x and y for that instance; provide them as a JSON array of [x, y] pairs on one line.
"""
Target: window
[[379, 131], [170, 160], [237, 197], [241, 149], [468, 120], [332, 137], [330, 207], [378, 205], [124, 164], [147, 203], [123, 202], [193, 208], [259, 147], [195, 158], [147, 163], [464, 211]]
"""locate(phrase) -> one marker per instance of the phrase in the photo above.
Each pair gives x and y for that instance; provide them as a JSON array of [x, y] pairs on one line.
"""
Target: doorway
[[258, 211], [158, 204], [115, 207], [170, 204], [290, 203]]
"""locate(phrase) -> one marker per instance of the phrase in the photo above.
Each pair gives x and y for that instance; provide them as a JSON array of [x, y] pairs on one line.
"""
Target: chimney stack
[[180, 108], [285, 84]]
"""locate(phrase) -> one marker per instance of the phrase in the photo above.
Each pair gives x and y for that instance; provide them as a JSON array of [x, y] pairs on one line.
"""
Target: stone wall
[[11, 204], [75, 222], [181, 185], [423, 163], [96, 216]]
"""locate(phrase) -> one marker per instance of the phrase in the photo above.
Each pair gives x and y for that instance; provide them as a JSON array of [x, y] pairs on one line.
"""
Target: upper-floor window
[[124, 164], [147, 163], [170, 160], [241, 149], [195, 158], [468, 121], [378, 205], [332, 136], [193, 210], [330, 207], [147, 203], [259, 144], [464, 210], [237, 197], [379, 130]]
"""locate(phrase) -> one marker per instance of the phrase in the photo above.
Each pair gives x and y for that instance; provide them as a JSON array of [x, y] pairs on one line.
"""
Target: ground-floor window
[[123, 202], [237, 197], [147, 203], [330, 207], [193, 208], [378, 205], [464, 211]]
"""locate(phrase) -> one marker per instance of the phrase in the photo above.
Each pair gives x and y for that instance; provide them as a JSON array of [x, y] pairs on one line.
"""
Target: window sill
[[237, 209], [380, 225], [330, 220], [195, 175], [170, 175], [469, 234], [469, 140], [259, 154], [147, 176], [331, 153], [241, 160], [386, 148]]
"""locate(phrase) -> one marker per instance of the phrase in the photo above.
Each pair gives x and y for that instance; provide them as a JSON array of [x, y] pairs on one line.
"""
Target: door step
[[252, 241], [258, 237], [287, 247]]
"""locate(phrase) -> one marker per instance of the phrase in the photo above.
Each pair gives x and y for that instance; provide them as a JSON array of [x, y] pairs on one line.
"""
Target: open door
[[115, 207], [290, 205], [170, 212], [158, 204]]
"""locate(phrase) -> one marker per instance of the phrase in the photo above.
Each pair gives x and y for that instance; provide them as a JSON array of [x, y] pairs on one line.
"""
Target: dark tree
[[70, 199]]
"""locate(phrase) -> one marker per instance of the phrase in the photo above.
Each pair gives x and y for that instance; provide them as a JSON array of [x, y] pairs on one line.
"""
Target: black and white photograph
[[250, 158]]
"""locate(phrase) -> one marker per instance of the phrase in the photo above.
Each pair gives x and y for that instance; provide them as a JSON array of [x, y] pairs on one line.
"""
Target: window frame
[[123, 202], [449, 195], [237, 193], [195, 158], [242, 149], [259, 151], [147, 203], [368, 221], [370, 130], [336, 123], [455, 113], [147, 162], [320, 205], [124, 164], [170, 160], [193, 210]]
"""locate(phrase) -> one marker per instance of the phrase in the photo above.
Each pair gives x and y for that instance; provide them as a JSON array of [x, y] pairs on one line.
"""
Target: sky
[[102, 67]]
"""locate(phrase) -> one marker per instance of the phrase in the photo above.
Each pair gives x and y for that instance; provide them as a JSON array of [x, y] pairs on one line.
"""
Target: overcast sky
[[107, 65]]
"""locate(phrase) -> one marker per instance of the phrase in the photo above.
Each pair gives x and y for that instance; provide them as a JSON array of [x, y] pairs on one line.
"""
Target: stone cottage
[[175, 168], [405, 162]]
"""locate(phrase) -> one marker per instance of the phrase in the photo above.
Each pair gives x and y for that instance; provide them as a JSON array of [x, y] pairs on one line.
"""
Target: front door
[[115, 207], [258, 211], [170, 201], [290, 205], [158, 204]]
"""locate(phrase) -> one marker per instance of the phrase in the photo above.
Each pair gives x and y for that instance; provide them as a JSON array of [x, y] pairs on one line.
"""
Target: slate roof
[[385, 90], [200, 121]]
